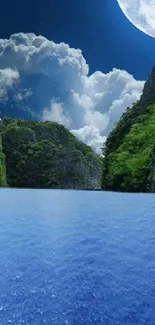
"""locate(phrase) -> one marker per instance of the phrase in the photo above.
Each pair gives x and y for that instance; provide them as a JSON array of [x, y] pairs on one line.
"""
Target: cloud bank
[[51, 81]]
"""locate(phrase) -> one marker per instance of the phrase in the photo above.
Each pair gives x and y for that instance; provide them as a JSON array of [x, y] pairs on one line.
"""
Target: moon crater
[[141, 13]]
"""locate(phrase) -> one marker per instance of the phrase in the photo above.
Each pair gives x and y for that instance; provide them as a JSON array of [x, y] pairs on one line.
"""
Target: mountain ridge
[[128, 159]]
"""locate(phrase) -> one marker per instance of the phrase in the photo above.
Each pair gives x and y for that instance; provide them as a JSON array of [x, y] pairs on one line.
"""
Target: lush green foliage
[[45, 155], [127, 161]]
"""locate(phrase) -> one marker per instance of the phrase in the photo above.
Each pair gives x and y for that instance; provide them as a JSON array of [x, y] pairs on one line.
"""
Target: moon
[[141, 13]]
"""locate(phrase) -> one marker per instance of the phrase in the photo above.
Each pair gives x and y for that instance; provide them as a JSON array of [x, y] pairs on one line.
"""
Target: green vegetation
[[47, 155], [128, 160], [129, 152]]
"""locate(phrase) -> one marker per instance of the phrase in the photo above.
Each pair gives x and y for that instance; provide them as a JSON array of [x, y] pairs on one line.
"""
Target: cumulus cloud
[[55, 113], [90, 135], [55, 85], [7, 78]]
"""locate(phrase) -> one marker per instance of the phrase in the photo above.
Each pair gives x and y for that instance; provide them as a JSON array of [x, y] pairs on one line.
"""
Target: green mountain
[[45, 155], [129, 162]]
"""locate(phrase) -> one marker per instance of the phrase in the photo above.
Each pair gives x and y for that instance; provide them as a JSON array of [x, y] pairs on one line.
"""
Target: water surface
[[76, 258]]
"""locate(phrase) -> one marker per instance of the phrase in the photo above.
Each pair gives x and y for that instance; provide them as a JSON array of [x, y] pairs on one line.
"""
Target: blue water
[[76, 258]]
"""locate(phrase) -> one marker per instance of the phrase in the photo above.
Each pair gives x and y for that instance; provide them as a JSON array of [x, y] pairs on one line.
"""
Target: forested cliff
[[45, 155], [129, 162]]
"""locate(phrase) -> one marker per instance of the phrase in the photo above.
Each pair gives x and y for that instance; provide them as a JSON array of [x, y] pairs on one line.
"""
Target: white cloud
[[55, 113], [55, 85], [7, 78], [23, 94], [90, 135]]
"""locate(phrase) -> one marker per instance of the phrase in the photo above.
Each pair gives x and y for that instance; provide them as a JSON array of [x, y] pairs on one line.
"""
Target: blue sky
[[47, 79], [98, 27]]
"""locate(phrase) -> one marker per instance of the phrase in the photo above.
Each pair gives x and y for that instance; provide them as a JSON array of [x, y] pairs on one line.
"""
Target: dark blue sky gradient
[[98, 27]]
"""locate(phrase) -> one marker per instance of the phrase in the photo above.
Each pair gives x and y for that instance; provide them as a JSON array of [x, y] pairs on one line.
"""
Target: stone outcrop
[[150, 187], [2, 166], [148, 95]]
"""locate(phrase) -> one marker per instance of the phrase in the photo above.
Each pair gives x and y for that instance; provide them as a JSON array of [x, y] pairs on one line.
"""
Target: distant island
[[45, 155]]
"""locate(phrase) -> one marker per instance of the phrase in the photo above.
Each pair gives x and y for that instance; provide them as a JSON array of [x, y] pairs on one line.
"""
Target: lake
[[76, 258]]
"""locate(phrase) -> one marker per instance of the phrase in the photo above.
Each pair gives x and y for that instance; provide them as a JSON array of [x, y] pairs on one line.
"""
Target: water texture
[[76, 258]]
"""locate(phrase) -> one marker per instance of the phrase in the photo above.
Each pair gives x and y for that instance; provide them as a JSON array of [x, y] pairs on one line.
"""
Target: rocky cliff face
[[150, 184], [129, 163], [2, 166], [75, 171], [148, 95], [46, 155]]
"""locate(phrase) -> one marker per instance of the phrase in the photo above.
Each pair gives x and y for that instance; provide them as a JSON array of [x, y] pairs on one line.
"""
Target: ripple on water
[[88, 260]]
